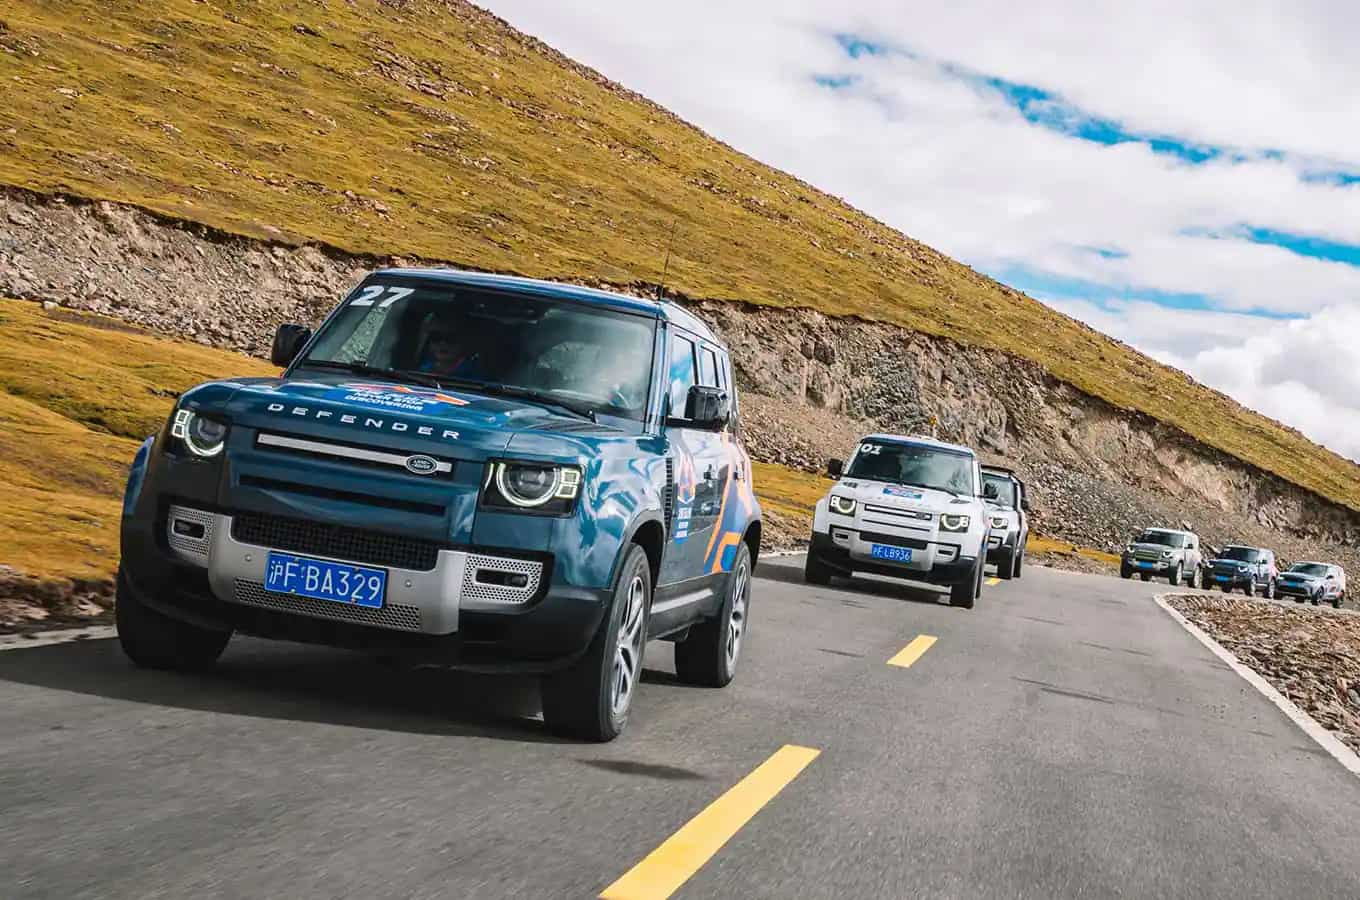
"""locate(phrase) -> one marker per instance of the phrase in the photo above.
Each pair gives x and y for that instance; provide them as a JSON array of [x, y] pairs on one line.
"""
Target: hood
[[1151, 548], [901, 496], [1301, 576], [458, 424]]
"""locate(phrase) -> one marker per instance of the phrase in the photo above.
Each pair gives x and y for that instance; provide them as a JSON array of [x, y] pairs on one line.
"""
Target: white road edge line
[[103, 632], [1324, 738], [56, 636]]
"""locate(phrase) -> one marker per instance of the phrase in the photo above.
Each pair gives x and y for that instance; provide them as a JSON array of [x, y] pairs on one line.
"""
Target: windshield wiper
[[540, 397], [359, 368]]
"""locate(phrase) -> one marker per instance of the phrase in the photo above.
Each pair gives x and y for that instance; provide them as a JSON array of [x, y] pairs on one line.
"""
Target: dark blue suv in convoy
[[479, 471]]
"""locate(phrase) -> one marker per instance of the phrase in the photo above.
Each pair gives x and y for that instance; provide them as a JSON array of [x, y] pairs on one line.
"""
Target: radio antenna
[[666, 266]]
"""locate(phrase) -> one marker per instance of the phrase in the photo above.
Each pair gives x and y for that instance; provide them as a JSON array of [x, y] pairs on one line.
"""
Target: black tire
[[1193, 581], [1019, 561], [1250, 588], [1298, 599], [1226, 588], [1317, 597], [703, 657], [966, 592], [1174, 578], [1145, 576], [156, 641], [579, 701], [1336, 602], [1005, 569], [1125, 572], [815, 571], [1269, 591]]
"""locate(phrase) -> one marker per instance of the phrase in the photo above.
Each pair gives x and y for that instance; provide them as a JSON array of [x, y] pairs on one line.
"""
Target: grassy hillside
[[77, 395], [431, 129]]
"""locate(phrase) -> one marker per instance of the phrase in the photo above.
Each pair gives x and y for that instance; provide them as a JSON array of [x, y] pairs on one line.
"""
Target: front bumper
[[1000, 546], [1157, 566], [1229, 579], [1296, 590], [455, 613], [847, 551]]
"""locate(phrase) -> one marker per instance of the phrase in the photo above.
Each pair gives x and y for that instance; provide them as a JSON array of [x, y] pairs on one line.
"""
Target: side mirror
[[1024, 502], [834, 468], [288, 343], [989, 490], [707, 408]]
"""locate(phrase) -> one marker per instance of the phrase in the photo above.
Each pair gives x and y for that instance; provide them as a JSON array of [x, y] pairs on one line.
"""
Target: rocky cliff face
[[811, 383]]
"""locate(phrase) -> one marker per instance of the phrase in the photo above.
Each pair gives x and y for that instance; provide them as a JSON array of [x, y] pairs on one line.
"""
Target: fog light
[[193, 530]]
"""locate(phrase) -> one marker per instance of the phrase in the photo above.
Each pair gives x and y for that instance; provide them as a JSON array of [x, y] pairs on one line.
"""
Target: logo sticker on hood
[[892, 491], [395, 397]]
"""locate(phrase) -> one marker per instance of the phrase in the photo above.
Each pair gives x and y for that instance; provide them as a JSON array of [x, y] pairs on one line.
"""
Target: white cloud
[[953, 164]]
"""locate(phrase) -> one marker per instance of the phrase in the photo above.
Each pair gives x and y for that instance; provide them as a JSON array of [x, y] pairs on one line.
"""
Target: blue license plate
[[320, 579], [1220, 578], [1145, 565], [890, 553]]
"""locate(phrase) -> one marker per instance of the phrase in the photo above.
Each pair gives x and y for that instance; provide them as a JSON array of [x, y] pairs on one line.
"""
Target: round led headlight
[[200, 435], [954, 523], [1000, 522], [528, 485], [843, 505], [1166, 554]]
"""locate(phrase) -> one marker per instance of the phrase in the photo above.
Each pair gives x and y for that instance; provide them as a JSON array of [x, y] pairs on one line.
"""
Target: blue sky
[[1136, 166]]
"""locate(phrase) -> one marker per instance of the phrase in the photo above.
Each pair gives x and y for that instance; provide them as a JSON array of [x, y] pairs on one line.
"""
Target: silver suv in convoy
[[1007, 506], [1315, 581], [1165, 552], [1250, 568]]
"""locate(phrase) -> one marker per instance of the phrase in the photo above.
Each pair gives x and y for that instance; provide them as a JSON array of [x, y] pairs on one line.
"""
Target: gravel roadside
[[1311, 655]]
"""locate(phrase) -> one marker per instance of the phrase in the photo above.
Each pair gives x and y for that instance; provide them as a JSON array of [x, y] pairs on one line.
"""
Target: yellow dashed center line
[[667, 867], [993, 580], [913, 651]]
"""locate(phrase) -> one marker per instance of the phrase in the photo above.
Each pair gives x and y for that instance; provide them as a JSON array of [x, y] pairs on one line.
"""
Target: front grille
[[335, 541], [878, 538], [1150, 555], [393, 615]]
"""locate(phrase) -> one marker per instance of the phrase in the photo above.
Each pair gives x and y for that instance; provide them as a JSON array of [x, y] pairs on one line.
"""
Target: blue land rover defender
[[485, 472]]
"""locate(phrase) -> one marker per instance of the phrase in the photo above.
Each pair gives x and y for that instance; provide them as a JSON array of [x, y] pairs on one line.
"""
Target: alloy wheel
[[628, 647], [736, 622]]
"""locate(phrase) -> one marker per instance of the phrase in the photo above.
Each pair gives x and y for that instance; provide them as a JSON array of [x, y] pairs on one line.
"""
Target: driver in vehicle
[[453, 352]]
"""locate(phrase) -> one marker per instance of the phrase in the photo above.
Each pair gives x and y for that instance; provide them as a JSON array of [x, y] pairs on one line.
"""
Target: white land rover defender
[[909, 507]]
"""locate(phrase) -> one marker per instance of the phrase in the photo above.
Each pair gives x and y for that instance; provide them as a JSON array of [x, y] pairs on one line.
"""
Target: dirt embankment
[[811, 383], [1312, 656]]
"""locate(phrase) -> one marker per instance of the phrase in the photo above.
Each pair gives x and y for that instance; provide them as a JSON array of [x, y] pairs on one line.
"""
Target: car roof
[[1247, 547], [557, 290], [999, 470], [918, 440], [1170, 531], [1309, 562]]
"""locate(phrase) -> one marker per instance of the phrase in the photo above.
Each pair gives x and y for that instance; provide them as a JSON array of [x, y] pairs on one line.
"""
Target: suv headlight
[[1166, 554], [954, 523], [200, 435], [843, 505], [1001, 522], [532, 487]]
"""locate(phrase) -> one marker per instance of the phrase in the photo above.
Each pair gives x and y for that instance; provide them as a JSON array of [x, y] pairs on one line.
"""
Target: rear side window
[[708, 367], [682, 373]]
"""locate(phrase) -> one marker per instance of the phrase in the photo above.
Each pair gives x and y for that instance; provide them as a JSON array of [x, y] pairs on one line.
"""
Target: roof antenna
[[666, 266]]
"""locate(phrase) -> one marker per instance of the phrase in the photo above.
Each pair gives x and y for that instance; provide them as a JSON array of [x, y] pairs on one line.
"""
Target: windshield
[[577, 354], [1165, 538], [1308, 569], [1242, 554], [914, 464], [1005, 488]]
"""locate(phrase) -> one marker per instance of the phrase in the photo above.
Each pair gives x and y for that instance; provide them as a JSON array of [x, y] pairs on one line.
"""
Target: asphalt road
[[1064, 739]]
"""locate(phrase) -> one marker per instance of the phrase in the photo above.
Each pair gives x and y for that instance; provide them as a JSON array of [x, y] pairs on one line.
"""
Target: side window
[[682, 373], [708, 367]]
